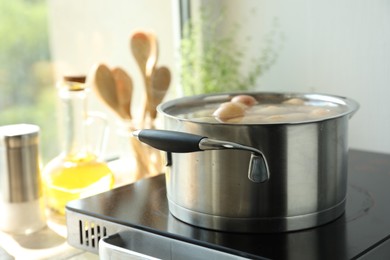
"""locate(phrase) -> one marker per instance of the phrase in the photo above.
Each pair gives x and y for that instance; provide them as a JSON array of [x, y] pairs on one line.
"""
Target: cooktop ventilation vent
[[90, 233]]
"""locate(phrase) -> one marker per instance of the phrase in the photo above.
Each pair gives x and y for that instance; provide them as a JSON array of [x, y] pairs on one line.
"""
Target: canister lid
[[18, 135]]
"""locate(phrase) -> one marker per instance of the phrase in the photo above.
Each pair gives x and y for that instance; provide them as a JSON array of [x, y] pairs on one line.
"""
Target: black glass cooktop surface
[[362, 232]]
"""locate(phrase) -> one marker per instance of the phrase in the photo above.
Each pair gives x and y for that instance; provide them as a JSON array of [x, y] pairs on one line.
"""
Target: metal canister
[[21, 199]]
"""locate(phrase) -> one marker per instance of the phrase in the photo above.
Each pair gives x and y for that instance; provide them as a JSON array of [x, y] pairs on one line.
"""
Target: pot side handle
[[170, 141], [258, 167], [179, 142]]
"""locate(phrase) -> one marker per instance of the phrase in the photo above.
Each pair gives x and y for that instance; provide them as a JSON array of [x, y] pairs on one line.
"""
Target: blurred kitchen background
[[334, 47]]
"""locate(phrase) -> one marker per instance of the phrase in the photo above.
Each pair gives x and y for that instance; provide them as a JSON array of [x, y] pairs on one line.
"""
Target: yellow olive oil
[[74, 178], [77, 172]]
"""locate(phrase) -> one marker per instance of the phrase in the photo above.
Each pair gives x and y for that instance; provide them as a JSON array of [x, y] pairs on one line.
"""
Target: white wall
[[328, 46], [86, 32]]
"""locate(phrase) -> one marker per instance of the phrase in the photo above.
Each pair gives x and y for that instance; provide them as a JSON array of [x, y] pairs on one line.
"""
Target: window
[[42, 41], [26, 72]]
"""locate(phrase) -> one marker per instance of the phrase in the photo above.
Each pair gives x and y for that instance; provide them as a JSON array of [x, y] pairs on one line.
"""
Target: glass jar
[[136, 160], [78, 171]]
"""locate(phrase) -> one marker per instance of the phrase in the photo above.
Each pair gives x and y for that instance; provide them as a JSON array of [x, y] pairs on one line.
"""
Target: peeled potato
[[319, 112], [275, 118], [272, 110], [245, 99], [294, 101], [245, 109], [234, 120], [229, 110]]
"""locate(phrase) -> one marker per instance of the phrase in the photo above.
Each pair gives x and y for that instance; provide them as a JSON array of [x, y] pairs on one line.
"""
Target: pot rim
[[351, 105]]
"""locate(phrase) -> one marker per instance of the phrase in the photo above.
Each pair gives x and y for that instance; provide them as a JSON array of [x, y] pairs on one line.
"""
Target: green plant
[[213, 64]]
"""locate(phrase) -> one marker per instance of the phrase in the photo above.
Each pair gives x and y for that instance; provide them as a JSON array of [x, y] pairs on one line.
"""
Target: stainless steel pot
[[297, 171]]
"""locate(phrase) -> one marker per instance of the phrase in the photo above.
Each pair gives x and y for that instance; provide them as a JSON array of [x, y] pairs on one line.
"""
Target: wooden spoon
[[124, 91], [161, 79], [103, 83], [114, 88], [145, 51]]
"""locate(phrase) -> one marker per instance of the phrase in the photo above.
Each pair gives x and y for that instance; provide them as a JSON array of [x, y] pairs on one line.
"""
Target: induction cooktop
[[132, 217]]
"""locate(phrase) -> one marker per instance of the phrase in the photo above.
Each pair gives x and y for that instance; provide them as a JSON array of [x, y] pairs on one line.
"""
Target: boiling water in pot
[[245, 109]]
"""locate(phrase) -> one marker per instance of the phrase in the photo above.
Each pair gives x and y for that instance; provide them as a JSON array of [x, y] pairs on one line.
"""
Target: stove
[[134, 220]]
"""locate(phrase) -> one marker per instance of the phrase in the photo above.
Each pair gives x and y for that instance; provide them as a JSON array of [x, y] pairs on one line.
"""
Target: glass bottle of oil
[[78, 171]]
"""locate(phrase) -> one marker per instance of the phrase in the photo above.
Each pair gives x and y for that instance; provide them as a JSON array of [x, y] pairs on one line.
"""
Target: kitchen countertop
[[43, 244], [361, 233], [48, 243]]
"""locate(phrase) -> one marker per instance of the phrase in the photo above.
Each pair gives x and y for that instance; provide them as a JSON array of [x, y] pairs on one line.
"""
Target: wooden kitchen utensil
[[124, 91], [161, 78], [114, 89], [101, 80], [145, 51]]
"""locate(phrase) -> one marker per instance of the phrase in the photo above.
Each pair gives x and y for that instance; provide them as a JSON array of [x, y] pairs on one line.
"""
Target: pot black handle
[[180, 142], [170, 141]]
